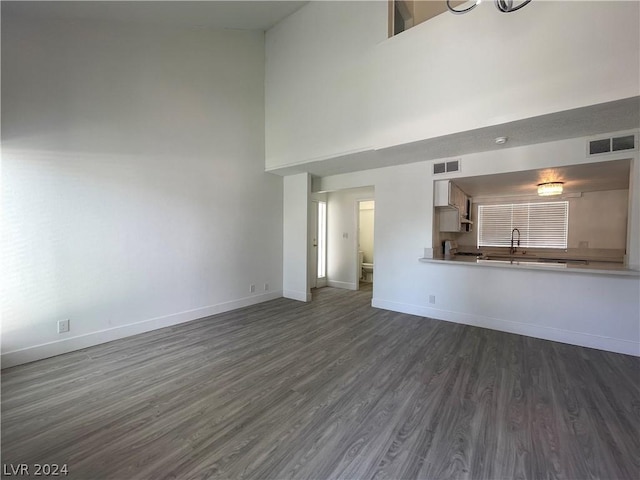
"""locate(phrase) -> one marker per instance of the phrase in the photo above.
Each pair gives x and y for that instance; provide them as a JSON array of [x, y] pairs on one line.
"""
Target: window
[[541, 225]]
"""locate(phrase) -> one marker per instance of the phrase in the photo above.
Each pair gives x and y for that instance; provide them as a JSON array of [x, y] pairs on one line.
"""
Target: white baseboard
[[51, 349], [346, 285], [295, 295], [627, 347]]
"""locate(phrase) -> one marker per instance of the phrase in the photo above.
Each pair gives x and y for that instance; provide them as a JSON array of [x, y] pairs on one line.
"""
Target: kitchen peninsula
[[533, 263], [498, 221]]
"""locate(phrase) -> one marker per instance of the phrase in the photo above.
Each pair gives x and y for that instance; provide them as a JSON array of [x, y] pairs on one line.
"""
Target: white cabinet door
[[453, 206], [441, 193]]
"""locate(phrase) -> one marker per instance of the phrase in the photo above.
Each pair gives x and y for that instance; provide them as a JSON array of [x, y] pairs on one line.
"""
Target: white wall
[[582, 309], [336, 85], [318, 85], [297, 189], [455, 73], [342, 236], [133, 186], [600, 219]]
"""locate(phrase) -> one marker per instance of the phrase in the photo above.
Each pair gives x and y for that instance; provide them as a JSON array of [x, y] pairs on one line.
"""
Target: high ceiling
[[232, 14]]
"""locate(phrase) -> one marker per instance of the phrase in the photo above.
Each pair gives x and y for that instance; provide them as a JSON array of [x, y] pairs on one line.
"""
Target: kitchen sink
[[517, 260], [529, 261]]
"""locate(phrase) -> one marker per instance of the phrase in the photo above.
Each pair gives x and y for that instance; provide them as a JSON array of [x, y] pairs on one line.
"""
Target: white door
[[313, 245], [318, 244], [321, 249]]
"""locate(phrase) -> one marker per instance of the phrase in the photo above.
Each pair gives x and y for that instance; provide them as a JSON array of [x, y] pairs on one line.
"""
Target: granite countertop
[[576, 266]]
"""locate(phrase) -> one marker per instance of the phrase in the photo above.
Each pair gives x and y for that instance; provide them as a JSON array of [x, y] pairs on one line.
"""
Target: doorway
[[342, 248], [366, 210]]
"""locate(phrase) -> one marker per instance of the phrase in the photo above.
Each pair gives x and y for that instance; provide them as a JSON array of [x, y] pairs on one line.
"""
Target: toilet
[[366, 269]]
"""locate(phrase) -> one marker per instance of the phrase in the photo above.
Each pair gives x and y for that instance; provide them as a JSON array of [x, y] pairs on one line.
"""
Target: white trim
[[294, 295], [346, 285], [58, 347], [582, 339]]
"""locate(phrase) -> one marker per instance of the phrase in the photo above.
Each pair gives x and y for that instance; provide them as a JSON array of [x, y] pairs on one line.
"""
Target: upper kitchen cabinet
[[448, 194], [453, 207]]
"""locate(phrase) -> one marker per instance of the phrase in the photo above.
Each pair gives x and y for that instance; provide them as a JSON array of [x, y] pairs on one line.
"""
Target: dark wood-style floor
[[328, 389]]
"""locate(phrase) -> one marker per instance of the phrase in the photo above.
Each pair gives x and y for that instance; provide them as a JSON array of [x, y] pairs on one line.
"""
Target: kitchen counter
[[593, 267]]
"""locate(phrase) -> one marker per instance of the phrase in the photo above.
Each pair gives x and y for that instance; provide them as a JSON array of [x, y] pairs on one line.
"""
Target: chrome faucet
[[512, 250]]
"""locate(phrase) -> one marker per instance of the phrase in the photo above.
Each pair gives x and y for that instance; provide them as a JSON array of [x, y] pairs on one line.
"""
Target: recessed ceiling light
[[501, 140]]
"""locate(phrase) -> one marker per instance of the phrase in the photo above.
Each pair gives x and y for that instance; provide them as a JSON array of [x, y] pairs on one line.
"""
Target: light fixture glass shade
[[550, 188]]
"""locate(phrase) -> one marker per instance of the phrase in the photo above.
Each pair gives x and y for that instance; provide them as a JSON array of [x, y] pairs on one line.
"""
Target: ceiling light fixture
[[501, 140], [505, 6], [550, 188]]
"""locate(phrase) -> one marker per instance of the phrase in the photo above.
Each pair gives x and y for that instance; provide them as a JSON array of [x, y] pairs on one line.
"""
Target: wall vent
[[627, 142], [614, 144], [439, 168], [446, 167]]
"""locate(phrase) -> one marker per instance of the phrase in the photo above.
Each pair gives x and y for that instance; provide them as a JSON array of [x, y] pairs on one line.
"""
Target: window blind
[[541, 225]]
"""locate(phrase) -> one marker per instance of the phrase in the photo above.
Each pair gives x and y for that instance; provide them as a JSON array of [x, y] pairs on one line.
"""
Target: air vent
[[599, 146], [628, 142], [446, 167], [453, 166], [615, 144]]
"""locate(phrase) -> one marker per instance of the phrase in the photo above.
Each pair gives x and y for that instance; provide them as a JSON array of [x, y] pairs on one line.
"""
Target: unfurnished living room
[[320, 239]]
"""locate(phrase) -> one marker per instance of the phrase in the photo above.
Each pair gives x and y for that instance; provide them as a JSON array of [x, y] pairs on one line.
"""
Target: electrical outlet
[[252, 288], [63, 326], [266, 287], [432, 299]]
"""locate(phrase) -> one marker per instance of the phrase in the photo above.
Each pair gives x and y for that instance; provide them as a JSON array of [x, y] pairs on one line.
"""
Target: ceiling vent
[[614, 144], [446, 167]]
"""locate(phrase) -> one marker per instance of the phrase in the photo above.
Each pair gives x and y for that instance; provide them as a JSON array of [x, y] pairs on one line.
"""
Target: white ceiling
[[232, 14]]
